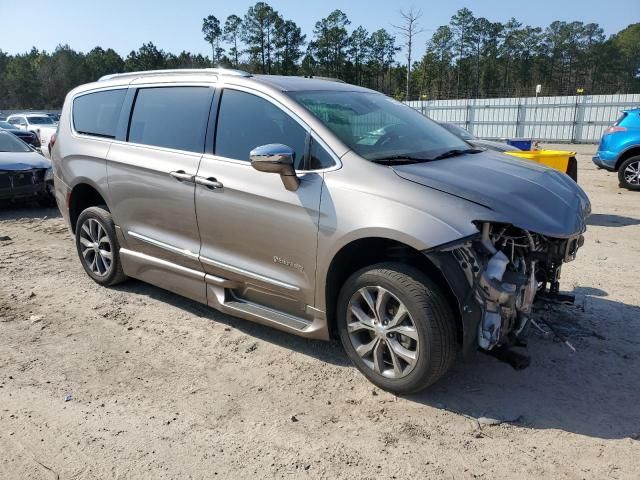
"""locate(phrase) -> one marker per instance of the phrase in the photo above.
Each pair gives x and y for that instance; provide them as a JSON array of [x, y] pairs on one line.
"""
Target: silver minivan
[[316, 207]]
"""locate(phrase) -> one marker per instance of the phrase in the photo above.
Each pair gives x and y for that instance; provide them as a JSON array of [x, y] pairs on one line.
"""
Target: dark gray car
[[315, 207], [463, 134], [24, 173]]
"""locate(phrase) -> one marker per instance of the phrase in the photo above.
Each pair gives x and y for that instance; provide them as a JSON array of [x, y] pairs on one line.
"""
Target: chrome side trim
[[246, 273], [163, 263], [165, 246], [214, 263], [220, 282]]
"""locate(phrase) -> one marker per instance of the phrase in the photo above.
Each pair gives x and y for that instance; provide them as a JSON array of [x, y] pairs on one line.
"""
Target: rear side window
[[246, 121], [171, 117], [97, 113]]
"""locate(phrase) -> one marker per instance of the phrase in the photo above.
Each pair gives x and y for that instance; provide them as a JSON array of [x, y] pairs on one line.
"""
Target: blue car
[[619, 149]]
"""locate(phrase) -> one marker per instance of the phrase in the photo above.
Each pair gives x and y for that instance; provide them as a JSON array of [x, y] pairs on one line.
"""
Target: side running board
[[266, 314]]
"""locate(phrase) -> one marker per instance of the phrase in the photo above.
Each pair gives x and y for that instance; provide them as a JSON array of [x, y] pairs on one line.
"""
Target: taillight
[[614, 129], [52, 141]]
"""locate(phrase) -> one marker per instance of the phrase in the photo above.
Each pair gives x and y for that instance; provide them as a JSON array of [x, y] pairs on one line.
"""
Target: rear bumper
[[605, 161], [62, 193]]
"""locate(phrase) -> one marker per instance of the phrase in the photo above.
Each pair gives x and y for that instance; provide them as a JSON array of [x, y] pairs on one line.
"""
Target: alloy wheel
[[632, 173], [95, 246], [382, 332]]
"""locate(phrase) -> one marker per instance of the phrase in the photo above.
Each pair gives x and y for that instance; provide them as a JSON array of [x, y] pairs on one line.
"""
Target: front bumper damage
[[23, 184], [504, 270]]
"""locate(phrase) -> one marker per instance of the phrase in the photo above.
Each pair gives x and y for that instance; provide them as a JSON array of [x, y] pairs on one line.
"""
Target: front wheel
[[98, 246], [397, 327], [629, 173]]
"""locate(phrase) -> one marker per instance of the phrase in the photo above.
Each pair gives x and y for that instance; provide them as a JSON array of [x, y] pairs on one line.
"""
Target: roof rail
[[181, 71]]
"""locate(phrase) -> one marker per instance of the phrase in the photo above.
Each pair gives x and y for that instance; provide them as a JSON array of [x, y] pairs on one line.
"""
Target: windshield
[[458, 131], [6, 126], [378, 127], [10, 143], [40, 120]]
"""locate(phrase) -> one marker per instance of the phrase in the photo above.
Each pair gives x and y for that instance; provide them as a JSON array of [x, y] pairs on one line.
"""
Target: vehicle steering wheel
[[391, 134]]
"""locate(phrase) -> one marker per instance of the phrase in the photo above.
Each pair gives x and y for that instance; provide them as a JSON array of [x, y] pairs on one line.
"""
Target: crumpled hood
[[518, 192], [14, 161]]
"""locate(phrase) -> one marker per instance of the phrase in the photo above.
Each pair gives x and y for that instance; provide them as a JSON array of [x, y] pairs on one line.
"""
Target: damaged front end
[[505, 268]]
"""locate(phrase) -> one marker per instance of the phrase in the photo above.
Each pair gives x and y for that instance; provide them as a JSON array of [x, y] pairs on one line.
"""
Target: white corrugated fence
[[575, 119]]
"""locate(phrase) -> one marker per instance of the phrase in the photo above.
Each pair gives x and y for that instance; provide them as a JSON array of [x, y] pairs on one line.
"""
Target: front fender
[[469, 311], [351, 211]]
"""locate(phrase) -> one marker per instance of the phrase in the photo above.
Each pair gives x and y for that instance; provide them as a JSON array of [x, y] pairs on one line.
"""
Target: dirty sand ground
[[163, 387]]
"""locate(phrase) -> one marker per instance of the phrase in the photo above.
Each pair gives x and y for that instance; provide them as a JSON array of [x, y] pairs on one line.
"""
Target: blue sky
[[175, 25]]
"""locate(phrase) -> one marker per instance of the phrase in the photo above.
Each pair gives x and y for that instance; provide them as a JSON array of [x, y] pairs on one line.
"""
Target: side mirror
[[276, 158]]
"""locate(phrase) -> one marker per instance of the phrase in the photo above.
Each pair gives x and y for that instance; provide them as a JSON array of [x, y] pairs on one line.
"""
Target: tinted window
[[40, 120], [246, 121], [319, 157], [97, 113], [171, 117], [621, 119], [10, 143]]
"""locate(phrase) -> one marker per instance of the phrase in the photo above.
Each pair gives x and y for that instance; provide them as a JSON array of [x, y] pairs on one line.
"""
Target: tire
[[96, 241], [432, 343], [45, 201], [572, 169], [629, 173], [48, 198]]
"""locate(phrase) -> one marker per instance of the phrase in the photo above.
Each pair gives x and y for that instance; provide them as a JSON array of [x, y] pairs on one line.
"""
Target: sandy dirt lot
[[162, 387]]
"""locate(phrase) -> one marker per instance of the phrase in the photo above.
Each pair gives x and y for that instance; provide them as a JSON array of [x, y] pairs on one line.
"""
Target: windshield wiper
[[399, 159], [456, 152]]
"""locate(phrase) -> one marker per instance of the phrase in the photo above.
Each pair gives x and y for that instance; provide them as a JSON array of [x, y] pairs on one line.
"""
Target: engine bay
[[508, 268]]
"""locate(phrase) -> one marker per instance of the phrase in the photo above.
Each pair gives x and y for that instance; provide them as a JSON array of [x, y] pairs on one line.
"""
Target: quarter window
[[97, 113], [246, 121], [171, 117], [319, 158]]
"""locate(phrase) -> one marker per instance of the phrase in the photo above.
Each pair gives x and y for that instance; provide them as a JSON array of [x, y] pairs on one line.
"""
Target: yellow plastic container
[[561, 160]]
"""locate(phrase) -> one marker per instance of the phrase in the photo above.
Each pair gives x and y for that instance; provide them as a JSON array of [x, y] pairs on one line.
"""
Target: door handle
[[182, 176], [211, 183]]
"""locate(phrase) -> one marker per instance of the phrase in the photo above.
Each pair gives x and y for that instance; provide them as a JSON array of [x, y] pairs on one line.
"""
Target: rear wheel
[[397, 327], [629, 173], [98, 247]]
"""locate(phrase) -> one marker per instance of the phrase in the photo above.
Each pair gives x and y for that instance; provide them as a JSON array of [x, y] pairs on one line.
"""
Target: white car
[[39, 123]]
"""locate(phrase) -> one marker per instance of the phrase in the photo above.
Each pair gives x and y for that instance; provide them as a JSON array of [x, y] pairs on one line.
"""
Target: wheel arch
[[628, 153], [83, 194], [366, 251]]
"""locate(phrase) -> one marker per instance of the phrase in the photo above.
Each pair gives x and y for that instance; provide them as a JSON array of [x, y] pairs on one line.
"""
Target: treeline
[[470, 57], [474, 57]]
